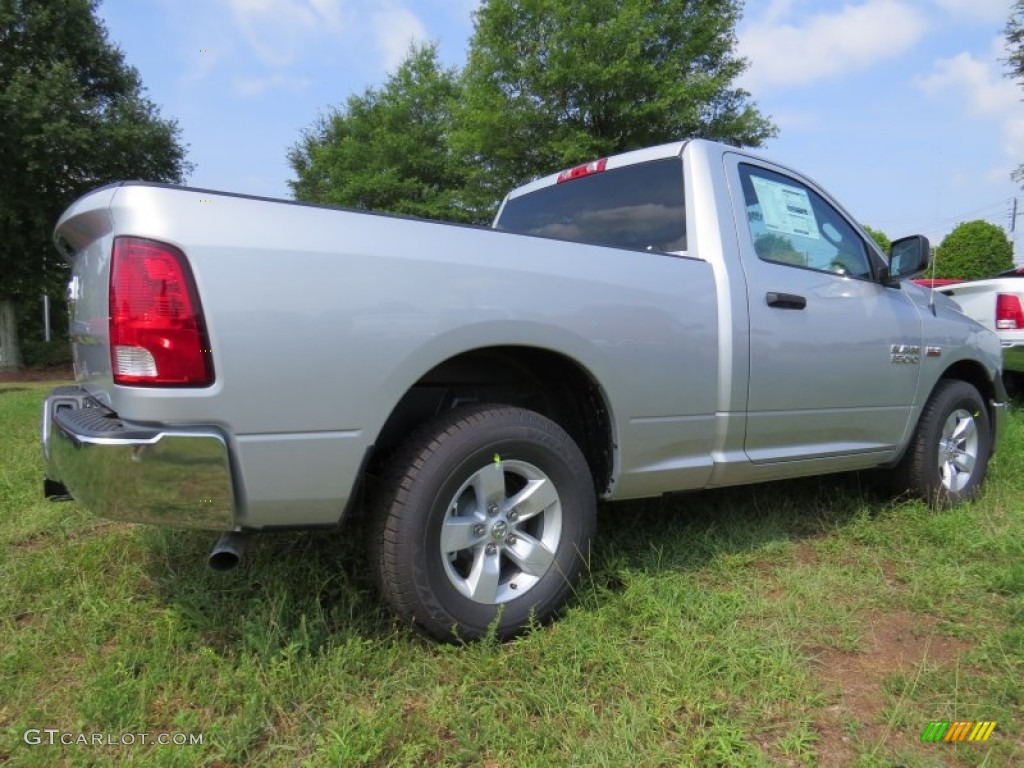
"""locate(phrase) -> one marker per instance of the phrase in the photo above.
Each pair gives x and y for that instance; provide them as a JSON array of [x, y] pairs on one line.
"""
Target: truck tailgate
[[84, 235]]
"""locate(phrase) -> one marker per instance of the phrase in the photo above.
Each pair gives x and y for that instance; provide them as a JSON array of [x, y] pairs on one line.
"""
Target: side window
[[790, 223]]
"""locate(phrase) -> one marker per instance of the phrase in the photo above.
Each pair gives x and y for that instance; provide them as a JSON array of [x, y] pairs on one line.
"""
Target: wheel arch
[[975, 374], [548, 382]]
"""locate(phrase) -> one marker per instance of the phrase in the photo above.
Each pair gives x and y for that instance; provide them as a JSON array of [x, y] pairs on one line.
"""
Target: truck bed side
[[312, 355]]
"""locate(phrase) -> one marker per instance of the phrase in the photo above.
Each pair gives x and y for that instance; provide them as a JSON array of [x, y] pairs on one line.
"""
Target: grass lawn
[[793, 624]]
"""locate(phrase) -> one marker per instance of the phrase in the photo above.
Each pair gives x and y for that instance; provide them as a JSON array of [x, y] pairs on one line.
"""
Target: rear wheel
[[485, 515], [948, 456]]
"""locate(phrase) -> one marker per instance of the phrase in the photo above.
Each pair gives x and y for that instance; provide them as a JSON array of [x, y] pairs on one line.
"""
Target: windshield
[[638, 206]]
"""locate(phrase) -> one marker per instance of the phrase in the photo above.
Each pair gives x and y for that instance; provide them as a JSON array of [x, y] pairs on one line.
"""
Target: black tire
[[935, 466], [456, 477]]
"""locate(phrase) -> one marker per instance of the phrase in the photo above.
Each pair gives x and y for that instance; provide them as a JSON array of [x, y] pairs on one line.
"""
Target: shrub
[[36, 352], [973, 250]]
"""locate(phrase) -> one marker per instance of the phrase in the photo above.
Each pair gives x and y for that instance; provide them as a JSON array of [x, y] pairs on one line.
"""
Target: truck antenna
[[931, 296]]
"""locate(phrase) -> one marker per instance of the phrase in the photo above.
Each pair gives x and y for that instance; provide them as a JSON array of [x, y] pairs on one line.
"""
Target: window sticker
[[785, 208]]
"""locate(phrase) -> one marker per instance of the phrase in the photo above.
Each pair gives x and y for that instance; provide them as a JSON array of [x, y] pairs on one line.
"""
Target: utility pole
[[8, 337], [1013, 229]]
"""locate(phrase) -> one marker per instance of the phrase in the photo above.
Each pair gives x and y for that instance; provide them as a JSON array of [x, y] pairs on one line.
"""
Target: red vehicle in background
[[937, 282]]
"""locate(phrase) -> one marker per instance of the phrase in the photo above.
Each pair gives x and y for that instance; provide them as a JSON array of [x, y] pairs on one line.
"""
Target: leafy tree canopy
[[973, 250], [547, 85], [387, 149], [72, 117], [1015, 60], [879, 237], [551, 84]]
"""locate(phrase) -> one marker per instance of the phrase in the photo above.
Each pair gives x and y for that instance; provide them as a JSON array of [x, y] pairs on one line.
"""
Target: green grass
[[794, 624]]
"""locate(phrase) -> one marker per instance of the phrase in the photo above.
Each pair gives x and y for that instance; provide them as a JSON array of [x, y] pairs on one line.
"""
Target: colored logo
[[959, 731]]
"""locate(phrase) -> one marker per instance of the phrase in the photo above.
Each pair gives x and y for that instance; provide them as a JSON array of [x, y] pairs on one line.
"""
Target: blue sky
[[900, 108]]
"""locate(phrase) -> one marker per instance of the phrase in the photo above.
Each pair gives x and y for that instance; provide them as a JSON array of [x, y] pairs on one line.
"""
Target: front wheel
[[485, 515], [948, 456]]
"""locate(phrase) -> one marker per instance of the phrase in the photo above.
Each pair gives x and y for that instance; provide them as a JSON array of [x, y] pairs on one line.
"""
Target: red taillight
[[157, 333], [595, 166], [1009, 313]]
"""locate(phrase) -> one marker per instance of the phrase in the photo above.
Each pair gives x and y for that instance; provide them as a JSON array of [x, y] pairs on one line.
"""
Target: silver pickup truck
[[682, 317]]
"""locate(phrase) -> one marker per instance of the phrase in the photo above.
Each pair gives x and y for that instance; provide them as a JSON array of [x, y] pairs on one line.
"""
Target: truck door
[[834, 354]]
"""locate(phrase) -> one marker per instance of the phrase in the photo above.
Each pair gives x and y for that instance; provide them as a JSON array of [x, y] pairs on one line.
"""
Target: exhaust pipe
[[227, 552]]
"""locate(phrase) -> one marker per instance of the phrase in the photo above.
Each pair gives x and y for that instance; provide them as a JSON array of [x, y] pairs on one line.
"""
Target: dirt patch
[[60, 373], [891, 643]]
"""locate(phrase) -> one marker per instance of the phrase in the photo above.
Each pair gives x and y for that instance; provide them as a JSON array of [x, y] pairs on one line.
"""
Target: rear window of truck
[[637, 206]]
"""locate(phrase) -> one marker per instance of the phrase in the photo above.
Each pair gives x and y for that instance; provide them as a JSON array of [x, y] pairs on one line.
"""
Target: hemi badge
[[933, 351]]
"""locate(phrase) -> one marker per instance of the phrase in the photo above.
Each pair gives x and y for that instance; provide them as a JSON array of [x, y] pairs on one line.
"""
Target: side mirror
[[908, 257]]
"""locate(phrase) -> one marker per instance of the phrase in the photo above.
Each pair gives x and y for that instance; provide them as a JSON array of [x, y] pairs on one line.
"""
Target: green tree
[[550, 84], [778, 248], [879, 237], [1015, 47], [72, 117], [388, 149], [973, 250]]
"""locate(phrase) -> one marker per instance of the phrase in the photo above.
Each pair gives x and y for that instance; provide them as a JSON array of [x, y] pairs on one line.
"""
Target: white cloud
[[986, 94], [776, 11], [978, 10], [826, 45], [257, 86], [278, 29], [201, 65], [996, 175], [798, 119], [395, 29], [329, 11]]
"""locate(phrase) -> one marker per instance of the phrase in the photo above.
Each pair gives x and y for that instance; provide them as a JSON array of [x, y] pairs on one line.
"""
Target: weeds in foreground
[[801, 624]]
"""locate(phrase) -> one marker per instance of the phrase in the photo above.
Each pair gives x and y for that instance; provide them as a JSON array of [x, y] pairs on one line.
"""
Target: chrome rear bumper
[[167, 476]]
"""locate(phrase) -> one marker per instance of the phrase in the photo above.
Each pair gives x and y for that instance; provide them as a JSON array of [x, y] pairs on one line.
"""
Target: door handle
[[785, 300]]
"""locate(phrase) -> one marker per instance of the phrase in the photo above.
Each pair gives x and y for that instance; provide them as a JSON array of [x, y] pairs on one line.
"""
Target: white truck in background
[[997, 302]]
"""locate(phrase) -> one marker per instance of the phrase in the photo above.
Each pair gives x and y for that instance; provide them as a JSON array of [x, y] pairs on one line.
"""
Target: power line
[[991, 210]]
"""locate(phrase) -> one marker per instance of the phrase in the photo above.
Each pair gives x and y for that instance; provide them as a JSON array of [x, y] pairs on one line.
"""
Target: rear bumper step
[[177, 476]]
